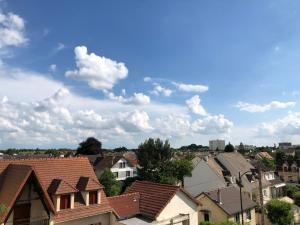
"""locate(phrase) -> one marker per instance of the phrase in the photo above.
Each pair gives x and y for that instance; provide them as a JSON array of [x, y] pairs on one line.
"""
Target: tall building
[[216, 145]]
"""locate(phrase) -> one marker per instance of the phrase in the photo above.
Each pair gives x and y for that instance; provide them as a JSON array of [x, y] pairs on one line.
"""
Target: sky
[[125, 71]]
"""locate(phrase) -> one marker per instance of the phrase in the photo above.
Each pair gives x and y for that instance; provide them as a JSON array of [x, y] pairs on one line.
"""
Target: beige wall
[[180, 204], [217, 215], [287, 176], [104, 219]]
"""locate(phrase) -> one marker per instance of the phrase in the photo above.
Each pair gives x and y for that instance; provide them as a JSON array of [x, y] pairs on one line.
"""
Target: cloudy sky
[[123, 71]]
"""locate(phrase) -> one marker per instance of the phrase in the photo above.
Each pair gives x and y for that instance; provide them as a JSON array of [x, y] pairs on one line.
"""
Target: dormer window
[[294, 168], [93, 197], [122, 164], [65, 201]]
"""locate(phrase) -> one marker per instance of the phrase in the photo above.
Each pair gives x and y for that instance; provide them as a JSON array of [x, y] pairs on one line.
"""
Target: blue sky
[[215, 69]]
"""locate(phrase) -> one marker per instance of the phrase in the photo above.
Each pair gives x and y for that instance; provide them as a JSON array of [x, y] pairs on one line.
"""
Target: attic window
[[65, 201], [122, 165], [93, 197]]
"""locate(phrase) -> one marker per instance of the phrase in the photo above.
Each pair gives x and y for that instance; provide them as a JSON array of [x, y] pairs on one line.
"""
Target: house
[[264, 155], [224, 204], [234, 163], [289, 171], [152, 203], [203, 178], [118, 165], [52, 191], [216, 145]]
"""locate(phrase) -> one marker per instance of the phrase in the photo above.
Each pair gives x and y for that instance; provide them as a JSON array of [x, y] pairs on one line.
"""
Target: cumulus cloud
[[135, 121], [254, 108], [216, 124], [159, 90], [147, 79], [195, 106], [136, 99], [99, 72], [12, 30], [52, 68], [191, 87]]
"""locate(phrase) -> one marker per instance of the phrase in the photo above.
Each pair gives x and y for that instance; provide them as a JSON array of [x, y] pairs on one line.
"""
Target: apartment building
[[216, 145]]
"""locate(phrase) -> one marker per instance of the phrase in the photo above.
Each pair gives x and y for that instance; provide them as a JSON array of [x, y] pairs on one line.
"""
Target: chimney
[[219, 197]]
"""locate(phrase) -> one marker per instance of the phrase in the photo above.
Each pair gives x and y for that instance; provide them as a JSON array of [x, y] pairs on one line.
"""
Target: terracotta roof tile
[[87, 184], [59, 187], [107, 162]]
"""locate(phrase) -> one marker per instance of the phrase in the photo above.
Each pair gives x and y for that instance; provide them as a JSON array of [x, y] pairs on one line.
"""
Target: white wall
[[122, 171], [180, 204]]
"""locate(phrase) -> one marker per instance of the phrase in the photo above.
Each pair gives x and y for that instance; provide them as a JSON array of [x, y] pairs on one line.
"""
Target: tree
[[206, 223], [152, 156], [241, 148], [111, 185], [182, 168], [91, 146], [229, 148], [290, 190], [280, 157], [297, 198], [279, 212], [270, 164], [3, 208]]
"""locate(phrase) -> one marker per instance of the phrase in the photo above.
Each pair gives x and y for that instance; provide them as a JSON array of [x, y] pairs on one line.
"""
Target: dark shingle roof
[[230, 200]]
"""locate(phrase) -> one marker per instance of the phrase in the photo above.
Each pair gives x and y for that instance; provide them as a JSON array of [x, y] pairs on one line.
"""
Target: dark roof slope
[[107, 162], [230, 200]]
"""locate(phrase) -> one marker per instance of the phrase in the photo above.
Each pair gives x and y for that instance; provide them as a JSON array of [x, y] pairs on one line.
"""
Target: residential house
[[203, 178], [264, 155], [118, 165], [152, 203], [289, 171], [52, 191], [233, 164], [224, 204]]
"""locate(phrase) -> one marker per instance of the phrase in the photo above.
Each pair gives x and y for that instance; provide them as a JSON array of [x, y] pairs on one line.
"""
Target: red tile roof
[[153, 198], [126, 205], [58, 175]]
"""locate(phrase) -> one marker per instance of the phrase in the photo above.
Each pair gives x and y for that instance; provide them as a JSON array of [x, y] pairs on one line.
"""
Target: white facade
[[122, 170], [216, 145]]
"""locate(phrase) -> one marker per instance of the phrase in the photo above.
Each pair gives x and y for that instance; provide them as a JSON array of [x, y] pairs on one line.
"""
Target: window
[[206, 216], [122, 165], [93, 197], [65, 201], [237, 217], [127, 173], [116, 174], [134, 172], [265, 192], [248, 213]]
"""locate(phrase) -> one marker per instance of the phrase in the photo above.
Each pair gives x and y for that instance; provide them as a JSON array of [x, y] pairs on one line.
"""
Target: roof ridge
[[158, 184], [45, 158], [124, 195]]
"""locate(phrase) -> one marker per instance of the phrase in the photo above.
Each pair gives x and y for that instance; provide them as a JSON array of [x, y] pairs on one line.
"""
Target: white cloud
[[217, 124], [135, 121], [195, 106], [59, 47], [191, 87], [159, 90], [99, 72], [147, 79], [12, 31], [136, 99], [52, 68], [253, 108]]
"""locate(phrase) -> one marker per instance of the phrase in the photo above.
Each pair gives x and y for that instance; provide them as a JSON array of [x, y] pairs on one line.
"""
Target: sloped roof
[[154, 197], [107, 162], [87, 184], [131, 157], [57, 175], [126, 205], [13, 180], [230, 200]]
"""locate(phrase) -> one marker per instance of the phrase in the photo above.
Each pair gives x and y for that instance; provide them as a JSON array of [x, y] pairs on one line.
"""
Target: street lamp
[[253, 172]]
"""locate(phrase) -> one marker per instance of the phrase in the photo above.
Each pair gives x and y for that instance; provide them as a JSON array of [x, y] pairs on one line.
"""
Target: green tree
[[229, 148], [270, 164], [228, 223], [152, 156], [207, 223], [181, 169], [280, 157], [3, 208], [297, 198], [290, 190], [241, 148], [279, 212], [111, 185], [91, 146]]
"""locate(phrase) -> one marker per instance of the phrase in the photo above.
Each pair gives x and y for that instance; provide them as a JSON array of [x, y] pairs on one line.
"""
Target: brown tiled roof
[[230, 200], [67, 173], [13, 180], [87, 184], [154, 197], [126, 205], [131, 158]]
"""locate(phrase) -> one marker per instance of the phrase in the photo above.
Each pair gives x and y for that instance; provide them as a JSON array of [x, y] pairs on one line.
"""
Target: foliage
[[280, 157], [111, 185], [297, 198], [54, 153], [206, 223], [152, 156], [279, 212], [128, 181], [290, 190], [270, 164], [222, 223], [120, 149], [241, 148], [91, 146], [194, 148], [3, 208], [229, 148]]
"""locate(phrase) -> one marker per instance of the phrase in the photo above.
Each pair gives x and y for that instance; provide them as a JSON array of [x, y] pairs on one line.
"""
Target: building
[[51, 191], [152, 203], [289, 171], [216, 145], [284, 145], [224, 204], [203, 178], [264, 155], [118, 165]]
